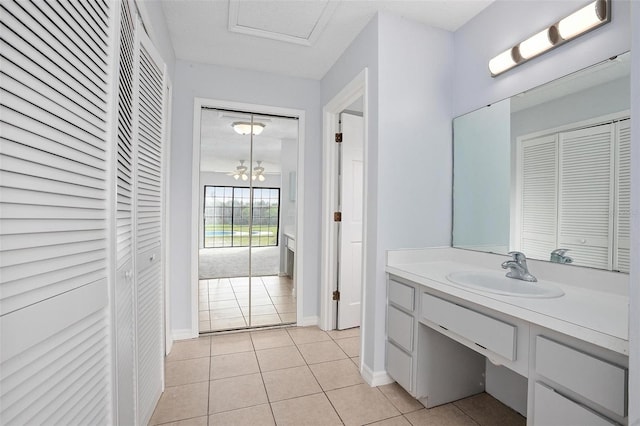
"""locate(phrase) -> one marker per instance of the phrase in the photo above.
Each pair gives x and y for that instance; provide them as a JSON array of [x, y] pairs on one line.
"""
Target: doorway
[[349, 107], [247, 217]]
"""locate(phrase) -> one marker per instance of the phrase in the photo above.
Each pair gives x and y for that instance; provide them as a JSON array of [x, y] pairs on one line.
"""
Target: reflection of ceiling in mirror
[[601, 73], [221, 148]]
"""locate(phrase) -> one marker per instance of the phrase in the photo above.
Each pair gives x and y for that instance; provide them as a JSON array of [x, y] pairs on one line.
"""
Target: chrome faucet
[[518, 267], [558, 256]]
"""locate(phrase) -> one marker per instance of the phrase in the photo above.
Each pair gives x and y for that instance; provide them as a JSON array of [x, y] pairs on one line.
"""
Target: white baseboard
[[309, 321], [375, 378], [183, 334]]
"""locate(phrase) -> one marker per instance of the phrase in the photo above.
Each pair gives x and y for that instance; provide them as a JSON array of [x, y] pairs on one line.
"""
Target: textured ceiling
[[300, 38]]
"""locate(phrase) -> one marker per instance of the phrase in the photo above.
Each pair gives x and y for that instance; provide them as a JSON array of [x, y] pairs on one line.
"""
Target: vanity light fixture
[[589, 17], [244, 127]]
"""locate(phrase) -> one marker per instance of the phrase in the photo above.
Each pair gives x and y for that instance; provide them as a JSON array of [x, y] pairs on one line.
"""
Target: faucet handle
[[560, 251], [518, 256]]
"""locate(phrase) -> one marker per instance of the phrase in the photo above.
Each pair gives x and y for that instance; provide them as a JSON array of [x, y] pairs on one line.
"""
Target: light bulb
[[261, 178], [244, 177], [536, 44], [236, 177], [502, 62], [583, 20]]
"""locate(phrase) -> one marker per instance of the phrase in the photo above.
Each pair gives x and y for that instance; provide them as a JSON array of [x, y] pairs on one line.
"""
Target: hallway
[[296, 376]]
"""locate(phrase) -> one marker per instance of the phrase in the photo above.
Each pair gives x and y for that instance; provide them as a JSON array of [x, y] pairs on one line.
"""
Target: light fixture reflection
[[244, 127]]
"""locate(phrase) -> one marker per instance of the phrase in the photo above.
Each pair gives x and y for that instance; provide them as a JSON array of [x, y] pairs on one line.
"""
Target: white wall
[[363, 53], [214, 82], [409, 149], [503, 24]]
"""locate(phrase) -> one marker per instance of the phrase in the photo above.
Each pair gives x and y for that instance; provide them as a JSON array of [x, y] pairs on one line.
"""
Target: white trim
[[166, 206], [182, 334], [602, 119], [375, 378], [357, 88], [112, 147], [298, 274], [308, 321]]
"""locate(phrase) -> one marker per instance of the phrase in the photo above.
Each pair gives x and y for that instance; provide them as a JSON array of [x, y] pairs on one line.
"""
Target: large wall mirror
[[547, 172]]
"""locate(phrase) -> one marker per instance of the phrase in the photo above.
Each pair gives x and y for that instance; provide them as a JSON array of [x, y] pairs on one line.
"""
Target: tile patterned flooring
[[296, 376], [224, 302]]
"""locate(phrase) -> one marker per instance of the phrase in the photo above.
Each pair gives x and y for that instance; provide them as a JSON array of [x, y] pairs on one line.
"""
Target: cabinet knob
[[583, 241], [152, 258]]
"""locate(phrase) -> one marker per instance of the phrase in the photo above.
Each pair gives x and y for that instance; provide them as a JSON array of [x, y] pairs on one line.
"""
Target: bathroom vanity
[[557, 360]]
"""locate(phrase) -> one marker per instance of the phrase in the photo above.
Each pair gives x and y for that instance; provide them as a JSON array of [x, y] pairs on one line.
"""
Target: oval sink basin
[[497, 283]]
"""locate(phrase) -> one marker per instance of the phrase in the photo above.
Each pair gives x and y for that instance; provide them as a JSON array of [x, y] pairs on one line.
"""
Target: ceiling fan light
[[245, 177], [236, 176], [261, 178]]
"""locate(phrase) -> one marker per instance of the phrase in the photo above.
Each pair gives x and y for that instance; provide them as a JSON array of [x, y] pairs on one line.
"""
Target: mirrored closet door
[[247, 216]]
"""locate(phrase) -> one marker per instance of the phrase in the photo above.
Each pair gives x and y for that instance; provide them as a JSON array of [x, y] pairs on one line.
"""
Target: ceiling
[[222, 149], [301, 38]]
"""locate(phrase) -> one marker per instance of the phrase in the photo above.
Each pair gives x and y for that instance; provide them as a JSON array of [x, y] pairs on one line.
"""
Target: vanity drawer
[[400, 328], [486, 332], [401, 295], [399, 366], [551, 409], [597, 380]]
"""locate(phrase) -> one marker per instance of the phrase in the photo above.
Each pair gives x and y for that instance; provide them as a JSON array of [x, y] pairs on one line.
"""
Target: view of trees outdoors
[[226, 216]]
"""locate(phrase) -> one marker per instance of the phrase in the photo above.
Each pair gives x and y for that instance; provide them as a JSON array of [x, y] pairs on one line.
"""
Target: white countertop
[[598, 317]]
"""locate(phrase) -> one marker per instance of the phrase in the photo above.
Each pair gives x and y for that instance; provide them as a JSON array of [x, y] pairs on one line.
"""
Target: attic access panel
[[297, 22]]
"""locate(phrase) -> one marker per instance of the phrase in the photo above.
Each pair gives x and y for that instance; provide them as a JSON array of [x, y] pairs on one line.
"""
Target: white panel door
[[351, 196], [586, 195], [538, 186], [148, 133], [54, 317]]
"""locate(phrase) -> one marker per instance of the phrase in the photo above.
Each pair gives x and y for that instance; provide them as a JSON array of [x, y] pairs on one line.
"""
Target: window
[[226, 216]]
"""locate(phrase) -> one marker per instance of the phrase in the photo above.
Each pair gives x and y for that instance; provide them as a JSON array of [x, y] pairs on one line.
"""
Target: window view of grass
[[226, 215]]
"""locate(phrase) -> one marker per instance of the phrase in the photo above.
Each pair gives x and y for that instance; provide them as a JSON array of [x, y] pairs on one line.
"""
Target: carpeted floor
[[230, 262]]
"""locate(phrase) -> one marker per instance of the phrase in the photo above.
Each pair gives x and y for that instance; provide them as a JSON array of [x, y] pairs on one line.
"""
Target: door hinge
[[336, 295], [337, 216], [339, 137]]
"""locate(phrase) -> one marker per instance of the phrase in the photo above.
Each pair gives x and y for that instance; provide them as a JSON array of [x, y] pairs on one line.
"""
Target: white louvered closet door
[[148, 129], [586, 195], [54, 318], [539, 196], [124, 327], [623, 197]]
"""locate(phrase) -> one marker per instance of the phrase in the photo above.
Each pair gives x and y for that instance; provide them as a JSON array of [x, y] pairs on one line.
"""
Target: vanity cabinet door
[[400, 328], [487, 332], [401, 295], [400, 366], [553, 409], [599, 381]]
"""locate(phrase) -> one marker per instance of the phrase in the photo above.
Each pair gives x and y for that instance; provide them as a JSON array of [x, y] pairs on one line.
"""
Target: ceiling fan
[[240, 172]]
